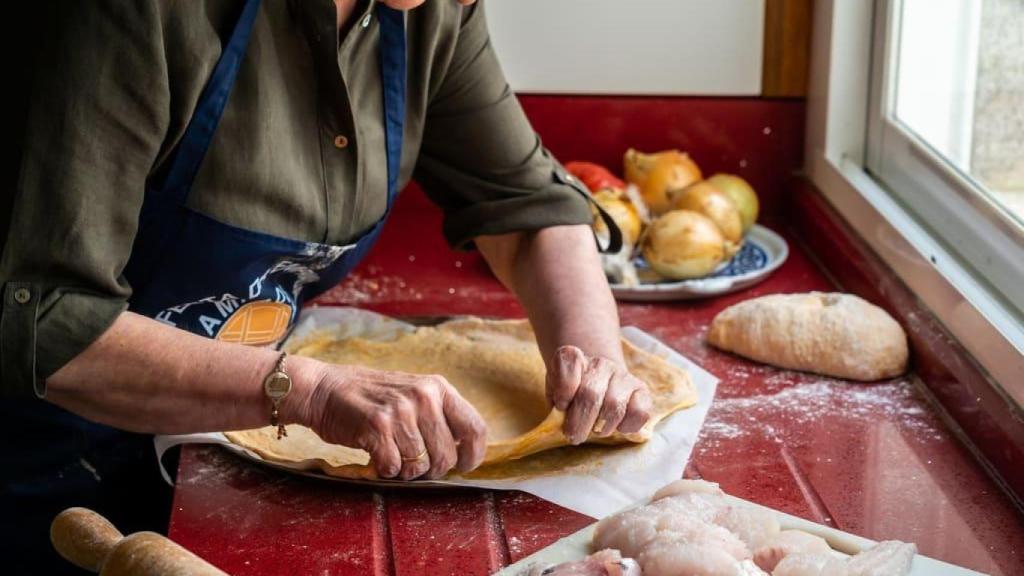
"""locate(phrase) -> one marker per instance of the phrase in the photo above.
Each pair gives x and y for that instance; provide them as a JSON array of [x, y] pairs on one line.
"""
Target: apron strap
[[392, 71], [614, 233], [214, 98], [164, 216]]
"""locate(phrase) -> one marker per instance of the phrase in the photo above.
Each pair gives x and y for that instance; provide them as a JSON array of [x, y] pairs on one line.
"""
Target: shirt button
[[22, 295], [340, 141]]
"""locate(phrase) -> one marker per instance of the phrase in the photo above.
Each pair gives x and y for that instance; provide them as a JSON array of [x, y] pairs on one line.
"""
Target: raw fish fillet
[[696, 532], [707, 501], [754, 526], [601, 563], [686, 486], [785, 543], [820, 564], [691, 528], [691, 515], [626, 531], [668, 555], [889, 558], [700, 506]]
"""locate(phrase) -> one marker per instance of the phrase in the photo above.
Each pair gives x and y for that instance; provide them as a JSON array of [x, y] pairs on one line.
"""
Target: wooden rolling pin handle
[[89, 541], [84, 538]]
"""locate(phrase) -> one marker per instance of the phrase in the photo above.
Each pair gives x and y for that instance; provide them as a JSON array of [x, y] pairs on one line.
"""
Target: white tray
[[576, 546], [762, 253]]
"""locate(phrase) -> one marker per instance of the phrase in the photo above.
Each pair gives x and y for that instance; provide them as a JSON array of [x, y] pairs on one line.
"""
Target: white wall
[[695, 47]]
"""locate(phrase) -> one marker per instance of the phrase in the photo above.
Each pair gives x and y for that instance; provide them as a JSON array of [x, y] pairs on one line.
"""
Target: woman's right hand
[[397, 417]]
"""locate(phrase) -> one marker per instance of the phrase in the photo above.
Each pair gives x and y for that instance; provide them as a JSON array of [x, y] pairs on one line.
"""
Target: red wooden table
[[872, 459]]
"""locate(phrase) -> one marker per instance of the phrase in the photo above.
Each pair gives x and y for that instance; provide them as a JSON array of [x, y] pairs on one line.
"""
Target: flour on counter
[[812, 400]]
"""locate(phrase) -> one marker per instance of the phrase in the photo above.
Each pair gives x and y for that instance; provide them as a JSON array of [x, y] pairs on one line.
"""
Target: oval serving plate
[[762, 253]]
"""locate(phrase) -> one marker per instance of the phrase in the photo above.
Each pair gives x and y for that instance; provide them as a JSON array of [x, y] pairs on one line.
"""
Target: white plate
[[762, 253], [577, 545]]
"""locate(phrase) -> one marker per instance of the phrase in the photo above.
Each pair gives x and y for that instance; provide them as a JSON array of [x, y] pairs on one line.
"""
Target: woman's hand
[[598, 395], [412, 425]]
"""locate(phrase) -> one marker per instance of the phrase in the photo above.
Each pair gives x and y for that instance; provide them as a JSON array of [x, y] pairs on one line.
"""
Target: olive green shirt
[[298, 153]]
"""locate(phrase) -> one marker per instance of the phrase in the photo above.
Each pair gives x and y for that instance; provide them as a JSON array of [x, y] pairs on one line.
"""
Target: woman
[[192, 169]]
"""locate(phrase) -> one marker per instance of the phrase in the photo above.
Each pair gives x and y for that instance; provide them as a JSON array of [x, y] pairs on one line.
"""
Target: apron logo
[[254, 323], [264, 311]]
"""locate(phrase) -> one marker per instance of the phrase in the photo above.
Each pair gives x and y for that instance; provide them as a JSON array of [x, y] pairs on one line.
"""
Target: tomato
[[594, 176]]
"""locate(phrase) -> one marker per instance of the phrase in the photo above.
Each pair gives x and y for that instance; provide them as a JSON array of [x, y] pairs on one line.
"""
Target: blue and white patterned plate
[[763, 251]]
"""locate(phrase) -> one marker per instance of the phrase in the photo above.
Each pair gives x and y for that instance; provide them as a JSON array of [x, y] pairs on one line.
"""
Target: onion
[[710, 201], [660, 176], [683, 244]]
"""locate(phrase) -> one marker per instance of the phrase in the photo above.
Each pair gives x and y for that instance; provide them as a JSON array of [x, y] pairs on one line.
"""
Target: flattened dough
[[495, 365], [834, 334]]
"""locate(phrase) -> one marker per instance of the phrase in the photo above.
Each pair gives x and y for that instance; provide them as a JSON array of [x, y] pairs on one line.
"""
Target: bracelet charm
[[276, 386]]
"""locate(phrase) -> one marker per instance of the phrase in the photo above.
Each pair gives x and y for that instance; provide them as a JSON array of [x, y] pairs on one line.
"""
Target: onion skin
[[660, 176], [682, 244]]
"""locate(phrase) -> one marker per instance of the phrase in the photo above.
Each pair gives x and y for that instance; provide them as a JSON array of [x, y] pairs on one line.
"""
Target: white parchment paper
[[597, 488]]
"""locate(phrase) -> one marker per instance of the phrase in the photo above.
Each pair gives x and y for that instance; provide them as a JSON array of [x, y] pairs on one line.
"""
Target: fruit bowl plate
[[763, 251]]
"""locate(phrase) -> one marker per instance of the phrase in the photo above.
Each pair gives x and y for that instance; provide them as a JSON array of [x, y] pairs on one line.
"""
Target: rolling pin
[[91, 542]]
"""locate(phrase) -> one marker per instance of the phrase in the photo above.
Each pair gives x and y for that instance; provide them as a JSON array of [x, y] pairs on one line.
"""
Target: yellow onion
[[625, 216], [683, 244], [710, 201], [741, 193], [660, 176]]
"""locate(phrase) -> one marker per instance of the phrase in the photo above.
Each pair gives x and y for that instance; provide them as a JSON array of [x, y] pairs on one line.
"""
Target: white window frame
[[971, 273]]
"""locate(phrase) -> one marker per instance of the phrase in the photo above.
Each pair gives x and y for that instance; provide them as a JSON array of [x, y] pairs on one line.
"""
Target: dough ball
[[833, 334]]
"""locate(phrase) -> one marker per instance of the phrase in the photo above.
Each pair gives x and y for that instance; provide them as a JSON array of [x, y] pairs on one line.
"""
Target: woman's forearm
[[556, 274], [143, 376]]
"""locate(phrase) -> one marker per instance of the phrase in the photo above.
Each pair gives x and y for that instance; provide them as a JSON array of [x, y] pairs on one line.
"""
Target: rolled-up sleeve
[[95, 122], [480, 160]]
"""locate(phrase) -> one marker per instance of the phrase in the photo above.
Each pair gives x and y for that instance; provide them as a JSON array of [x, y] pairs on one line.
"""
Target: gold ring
[[418, 457]]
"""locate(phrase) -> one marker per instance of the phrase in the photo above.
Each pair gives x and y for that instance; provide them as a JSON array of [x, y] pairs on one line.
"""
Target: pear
[[741, 193]]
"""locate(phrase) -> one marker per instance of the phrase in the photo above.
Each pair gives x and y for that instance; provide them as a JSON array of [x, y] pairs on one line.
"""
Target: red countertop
[[872, 459]]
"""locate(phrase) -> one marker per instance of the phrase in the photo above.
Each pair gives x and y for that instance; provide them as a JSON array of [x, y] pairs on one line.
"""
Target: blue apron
[[196, 273], [191, 271]]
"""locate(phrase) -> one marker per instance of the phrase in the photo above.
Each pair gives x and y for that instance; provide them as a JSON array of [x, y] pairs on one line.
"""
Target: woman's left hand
[[597, 394]]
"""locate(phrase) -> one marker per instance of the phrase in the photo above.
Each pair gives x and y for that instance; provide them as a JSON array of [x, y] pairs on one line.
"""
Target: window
[[947, 129], [915, 133], [960, 89]]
